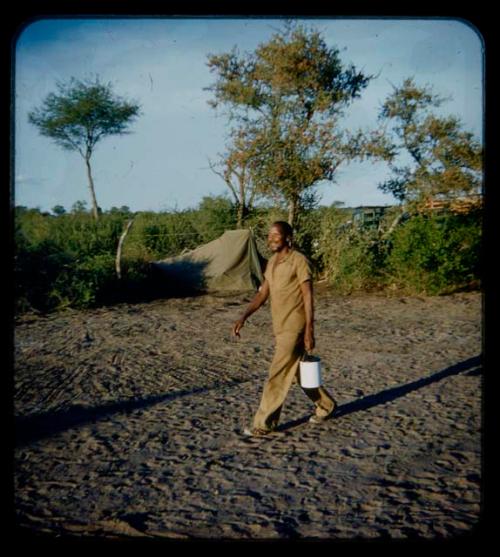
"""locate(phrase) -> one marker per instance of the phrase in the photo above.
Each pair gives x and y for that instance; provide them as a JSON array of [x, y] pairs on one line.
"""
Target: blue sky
[[161, 63]]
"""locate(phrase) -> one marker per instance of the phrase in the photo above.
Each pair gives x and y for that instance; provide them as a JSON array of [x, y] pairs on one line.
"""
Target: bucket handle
[[308, 354]]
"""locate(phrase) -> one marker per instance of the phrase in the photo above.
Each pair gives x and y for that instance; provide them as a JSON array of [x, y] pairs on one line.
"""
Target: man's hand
[[254, 305], [309, 342], [237, 327]]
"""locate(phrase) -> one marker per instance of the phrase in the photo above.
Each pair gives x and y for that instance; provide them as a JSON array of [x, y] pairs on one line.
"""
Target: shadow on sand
[[38, 426], [472, 366], [32, 428]]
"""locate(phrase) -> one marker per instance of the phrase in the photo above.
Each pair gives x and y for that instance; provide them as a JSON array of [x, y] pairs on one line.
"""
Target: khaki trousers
[[282, 373]]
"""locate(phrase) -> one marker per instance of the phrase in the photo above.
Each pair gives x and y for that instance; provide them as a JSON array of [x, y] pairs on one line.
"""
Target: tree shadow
[[38, 426], [29, 429], [471, 367]]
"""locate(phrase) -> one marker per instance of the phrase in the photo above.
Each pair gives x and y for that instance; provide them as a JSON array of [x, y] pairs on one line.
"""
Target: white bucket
[[310, 372]]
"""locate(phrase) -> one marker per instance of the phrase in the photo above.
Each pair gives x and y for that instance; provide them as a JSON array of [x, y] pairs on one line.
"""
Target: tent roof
[[231, 262]]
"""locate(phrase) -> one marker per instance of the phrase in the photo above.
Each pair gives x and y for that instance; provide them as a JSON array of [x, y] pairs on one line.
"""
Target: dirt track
[[129, 420]]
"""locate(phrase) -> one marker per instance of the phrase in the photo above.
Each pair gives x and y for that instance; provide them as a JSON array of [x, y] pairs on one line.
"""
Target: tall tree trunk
[[241, 212], [242, 200], [292, 210], [92, 190]]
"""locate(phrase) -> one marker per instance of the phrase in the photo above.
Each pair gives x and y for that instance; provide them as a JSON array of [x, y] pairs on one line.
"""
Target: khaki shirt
[[285, 278]]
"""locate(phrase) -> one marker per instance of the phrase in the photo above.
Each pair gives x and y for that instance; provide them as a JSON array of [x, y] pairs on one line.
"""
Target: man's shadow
[[32, 428], [29, 429], [472, 366]]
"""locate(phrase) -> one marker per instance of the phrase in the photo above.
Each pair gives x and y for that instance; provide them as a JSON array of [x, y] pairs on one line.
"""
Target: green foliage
[[213, 216], [159, 235], [351, 257], [422, 255], [63, 261], [286, 98], [90, 282], [79, 207], [123, 210], [430, 156], [308, 229], [436, 254], [58, 210], [81, 235], [37, 267], [69, 260], [81, 113]]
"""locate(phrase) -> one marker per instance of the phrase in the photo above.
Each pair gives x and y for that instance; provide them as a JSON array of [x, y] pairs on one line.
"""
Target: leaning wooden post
[[119, 250]]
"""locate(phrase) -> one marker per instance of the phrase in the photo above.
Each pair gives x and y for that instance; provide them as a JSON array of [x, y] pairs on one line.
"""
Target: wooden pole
[[119, 250]]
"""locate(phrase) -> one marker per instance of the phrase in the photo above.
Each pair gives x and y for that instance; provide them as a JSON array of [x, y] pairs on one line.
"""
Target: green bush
[[68, 259], [213, 217], [436, 254], [90, 282], [350, 257], [64, 260], [81, 236], [307, 236], [426, 254], [159, 235], [36, 269]]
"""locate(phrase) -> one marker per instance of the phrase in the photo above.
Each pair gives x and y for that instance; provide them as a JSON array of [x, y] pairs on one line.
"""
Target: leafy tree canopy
[[432, 156], [81, 113], [285, 99]]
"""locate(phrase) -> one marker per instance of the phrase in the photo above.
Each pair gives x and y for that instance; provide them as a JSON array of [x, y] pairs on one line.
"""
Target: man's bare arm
[[258, 300], [307, 296]]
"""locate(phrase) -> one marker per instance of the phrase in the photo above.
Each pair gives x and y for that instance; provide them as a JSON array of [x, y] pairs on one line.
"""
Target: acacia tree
[[288, 97], [432, 156], [80, 115]]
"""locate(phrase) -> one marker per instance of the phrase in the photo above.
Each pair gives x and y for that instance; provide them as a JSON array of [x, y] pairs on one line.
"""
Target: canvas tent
[[231, 262]]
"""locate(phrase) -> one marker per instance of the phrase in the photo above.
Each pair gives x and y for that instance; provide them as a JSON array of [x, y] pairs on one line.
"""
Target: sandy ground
[[129, 422]]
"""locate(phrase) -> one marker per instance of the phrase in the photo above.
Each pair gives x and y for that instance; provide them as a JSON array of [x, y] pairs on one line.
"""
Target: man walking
[[288, 281]]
